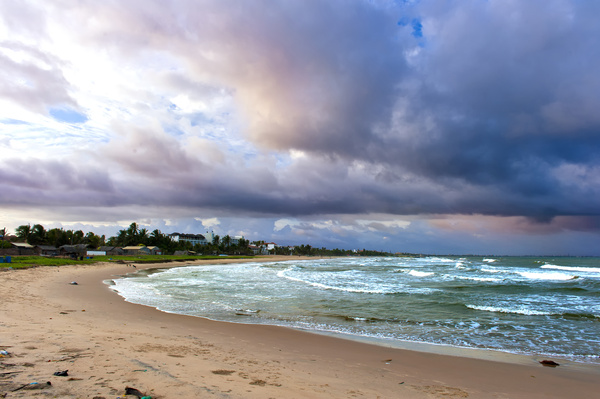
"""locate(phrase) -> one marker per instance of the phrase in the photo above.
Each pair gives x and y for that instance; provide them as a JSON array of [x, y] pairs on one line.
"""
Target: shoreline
[[494, 355], [497, 355], [104, 341]]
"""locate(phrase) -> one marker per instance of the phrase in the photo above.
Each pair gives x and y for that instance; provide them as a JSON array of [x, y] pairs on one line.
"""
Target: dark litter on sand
[[8, 375], [64, 373], [549, 363], [136, 392], [34, 385]]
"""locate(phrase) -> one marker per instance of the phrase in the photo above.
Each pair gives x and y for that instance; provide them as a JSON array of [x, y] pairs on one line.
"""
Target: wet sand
[[106, 344]]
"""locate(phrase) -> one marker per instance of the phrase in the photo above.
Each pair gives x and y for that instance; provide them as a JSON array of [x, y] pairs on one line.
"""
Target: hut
[[23, 248], [46, 250], [74, 251], [111, 251], [136, 250]]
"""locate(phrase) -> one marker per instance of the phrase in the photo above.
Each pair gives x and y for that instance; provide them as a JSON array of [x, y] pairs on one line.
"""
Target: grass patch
[[20, 262]]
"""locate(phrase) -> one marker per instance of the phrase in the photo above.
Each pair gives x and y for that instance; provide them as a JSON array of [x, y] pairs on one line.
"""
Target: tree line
[[131, 236], [134, 235]]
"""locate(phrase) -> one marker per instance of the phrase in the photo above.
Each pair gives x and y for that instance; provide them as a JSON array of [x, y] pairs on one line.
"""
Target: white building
[[194, 239]]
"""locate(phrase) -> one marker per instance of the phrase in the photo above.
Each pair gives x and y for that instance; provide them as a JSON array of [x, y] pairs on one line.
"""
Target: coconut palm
[[23, 232], [226, 241], [142, 236], [37, 235]]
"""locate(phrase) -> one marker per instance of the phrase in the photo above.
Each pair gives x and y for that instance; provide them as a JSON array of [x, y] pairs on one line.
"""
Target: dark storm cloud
[[26, 182]]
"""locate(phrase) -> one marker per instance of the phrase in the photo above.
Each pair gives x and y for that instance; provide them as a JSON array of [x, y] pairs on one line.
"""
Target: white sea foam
[[572, 269], [522, 311], [330, 287], [547, 276], [490, 260], [440, 260], [420, 274], [489, 270], [482, 279]]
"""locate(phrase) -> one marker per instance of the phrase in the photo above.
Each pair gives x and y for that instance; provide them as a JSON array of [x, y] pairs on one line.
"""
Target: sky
[[439, 127]]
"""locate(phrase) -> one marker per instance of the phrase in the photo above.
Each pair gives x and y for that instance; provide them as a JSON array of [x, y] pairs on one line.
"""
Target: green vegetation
[[37, 235], [134, 236], [20, 262], [307, 250]]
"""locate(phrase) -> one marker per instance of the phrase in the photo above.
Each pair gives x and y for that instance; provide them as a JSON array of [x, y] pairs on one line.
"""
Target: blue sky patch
[[415, 23], [10, 121], [417, 28], [68, 115], [404, 21]]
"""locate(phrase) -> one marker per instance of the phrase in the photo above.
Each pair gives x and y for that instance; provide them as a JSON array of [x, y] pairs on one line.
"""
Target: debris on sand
[[549, 363]]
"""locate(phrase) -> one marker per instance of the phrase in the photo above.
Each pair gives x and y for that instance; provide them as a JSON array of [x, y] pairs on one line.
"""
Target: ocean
[[523, 305]]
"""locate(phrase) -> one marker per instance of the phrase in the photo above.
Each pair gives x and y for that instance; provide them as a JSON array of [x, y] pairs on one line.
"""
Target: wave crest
[[572, 269], [496, 309]]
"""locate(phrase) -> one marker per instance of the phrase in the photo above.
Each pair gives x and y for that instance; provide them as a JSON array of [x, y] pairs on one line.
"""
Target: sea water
[[525, 305]]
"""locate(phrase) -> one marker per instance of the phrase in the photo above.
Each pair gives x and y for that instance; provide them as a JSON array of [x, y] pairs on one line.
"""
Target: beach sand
[[106, 344]]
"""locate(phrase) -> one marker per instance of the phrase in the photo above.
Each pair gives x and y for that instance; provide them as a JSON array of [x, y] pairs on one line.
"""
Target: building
[[209, 237], [185, 253], [235, 240], [111, 251], [270, 246], [255, 249], [23, 248], [74, 251], [136, 250], [46, 250], [263, 249], [154, 250], [194, 239]]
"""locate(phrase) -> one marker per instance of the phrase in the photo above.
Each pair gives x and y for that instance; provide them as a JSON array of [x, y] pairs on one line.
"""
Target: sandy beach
[[106, 344]]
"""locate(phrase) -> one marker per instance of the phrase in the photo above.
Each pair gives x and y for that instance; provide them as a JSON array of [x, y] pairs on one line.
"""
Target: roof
[[188, 235], [134, 247], [22, 245], [76, 247], [47, 247]]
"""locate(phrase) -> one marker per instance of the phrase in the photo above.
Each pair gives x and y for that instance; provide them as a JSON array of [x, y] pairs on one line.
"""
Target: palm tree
[[132, 230], [23, 232], [156, 237], [226, 242], [37, 235], [142, 236], [76, 236], [120, 240], [94, 240], [57, 237]]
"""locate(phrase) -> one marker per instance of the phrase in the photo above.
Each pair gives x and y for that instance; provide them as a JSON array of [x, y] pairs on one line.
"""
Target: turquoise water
[[526, 305]]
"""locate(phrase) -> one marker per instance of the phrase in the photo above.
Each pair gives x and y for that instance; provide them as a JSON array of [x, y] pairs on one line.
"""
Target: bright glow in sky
[[426, 126]]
